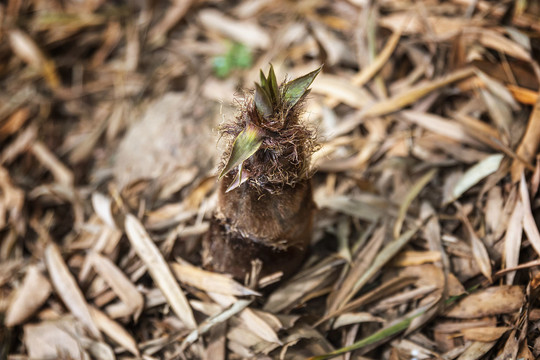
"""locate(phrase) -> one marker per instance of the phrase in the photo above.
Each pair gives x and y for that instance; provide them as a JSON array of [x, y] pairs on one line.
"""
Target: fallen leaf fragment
[[485, 334], [53, 340], [119, 282], [476, 173], [33, 292], [494, 300], [115, 331], [209, 281], [67, 289], [160, 272], [529, 224]]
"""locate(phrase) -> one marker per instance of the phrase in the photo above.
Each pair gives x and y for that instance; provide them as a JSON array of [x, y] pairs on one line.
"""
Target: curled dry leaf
[[53, 340], [491, 301], [251, 320], [485, 334], [147, 250], [119, 282], [33, 292], [209, 281], [476, 173], [115, 331], [67, 289], [529, 224], [512, 241]]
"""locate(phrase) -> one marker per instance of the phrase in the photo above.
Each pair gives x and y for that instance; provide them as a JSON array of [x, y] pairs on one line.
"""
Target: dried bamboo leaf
[[485, 334], [476, 350], [53, 340], [475, 174], [119, 283], [209, 323], [251, 320], [512, 241], [529, 224], [26, 48], [530, 143], [61, 173], [367, 73], [479, 251], [409, 197], [67, 289], [29, 297], [403, 99], [387, 253], [102, 207], [439, 125], [209, 281], [115, 331], [159, 270], [494, 300], [355, 318]]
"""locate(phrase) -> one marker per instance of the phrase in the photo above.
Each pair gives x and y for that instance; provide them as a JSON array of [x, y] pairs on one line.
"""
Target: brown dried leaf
[[209, 281], [147, 250], [512, 241], [485, 334], [494, 300], [67, 289], [246, 32], [115, 331], [62, 174], [530, 143], [53, 339], [14, 122], [29, 297], [529, 224], [408, 258], [119, 283], [251, 320]]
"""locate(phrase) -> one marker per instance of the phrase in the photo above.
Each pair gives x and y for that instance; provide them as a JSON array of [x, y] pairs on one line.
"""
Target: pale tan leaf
[[512, 241], [476, 350], [479, 251], [119, 283], [29, 297], [250, 319], [485, 334], [409, 197], [102, 207], [355, 318], [341, 90], [115, 331], [62, 174], [494, 300], [209, 281], [52, 339], [475, 174], [439, 125], [67, 289], [403, 99], [529, 224], [410, 257], [530, 143], [147, 250], [245, 32], [209, 323]]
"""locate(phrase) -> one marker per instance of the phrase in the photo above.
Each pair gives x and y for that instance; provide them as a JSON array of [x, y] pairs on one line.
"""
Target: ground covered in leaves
[[426, 242]]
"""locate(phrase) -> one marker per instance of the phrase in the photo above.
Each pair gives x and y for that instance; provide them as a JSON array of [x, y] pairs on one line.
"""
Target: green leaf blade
[[263, 102], [245, 145], [295, 89], [272, 84]]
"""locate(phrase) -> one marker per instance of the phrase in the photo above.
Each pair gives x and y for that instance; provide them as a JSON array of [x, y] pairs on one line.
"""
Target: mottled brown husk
[[251, 223]]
